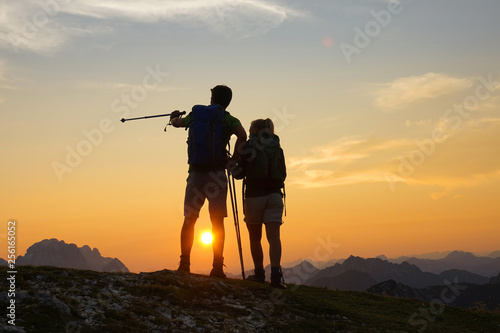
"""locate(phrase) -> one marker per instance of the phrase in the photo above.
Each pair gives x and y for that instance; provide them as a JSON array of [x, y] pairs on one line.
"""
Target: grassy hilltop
[[50, 299]]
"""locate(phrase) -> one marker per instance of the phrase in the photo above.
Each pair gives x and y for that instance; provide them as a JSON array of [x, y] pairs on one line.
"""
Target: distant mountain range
[[357, 272], [417, 278], [360, 274], [398, 260], [494, 254], [52, 252], [486, 266]]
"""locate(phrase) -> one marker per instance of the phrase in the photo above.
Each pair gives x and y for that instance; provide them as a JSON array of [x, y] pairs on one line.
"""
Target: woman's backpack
[[267, 162]]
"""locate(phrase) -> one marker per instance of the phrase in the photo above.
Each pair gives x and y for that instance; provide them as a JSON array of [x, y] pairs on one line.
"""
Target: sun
[[207, 238]]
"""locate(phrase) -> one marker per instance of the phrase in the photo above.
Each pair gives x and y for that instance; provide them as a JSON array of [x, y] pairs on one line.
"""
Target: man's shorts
[[264, 209], [210, 185]]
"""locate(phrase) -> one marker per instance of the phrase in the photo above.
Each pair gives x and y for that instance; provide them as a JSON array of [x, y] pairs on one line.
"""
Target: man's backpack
[[268, 161], [206, 149]]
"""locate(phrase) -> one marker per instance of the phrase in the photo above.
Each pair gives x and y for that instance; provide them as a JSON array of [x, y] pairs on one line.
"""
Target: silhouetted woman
[[262, 165]]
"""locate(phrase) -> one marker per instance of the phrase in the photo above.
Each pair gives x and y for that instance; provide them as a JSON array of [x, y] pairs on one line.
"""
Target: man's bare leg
[[219, 235], [187, 238]]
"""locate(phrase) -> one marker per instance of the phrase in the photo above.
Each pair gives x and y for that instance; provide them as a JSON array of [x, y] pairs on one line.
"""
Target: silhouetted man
[[210, 129]]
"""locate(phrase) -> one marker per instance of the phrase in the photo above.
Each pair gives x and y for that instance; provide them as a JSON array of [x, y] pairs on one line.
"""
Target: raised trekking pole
[[147, 117], [234, 204]]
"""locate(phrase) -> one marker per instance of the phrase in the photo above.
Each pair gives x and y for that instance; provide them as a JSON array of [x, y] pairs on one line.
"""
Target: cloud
[[335, 152], [25, 25], [406, 90], [465, 159], [325, 178], [347, 149], [43, 27], [346, 161], [236, 13]]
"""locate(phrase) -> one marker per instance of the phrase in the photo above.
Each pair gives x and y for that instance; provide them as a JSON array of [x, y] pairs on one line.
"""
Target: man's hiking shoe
[[183, 268], [217, 270], [184, 265], [277, 280], [258, 276]]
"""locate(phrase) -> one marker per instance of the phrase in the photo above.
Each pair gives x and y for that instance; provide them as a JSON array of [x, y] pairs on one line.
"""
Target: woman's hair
[[261, 125]]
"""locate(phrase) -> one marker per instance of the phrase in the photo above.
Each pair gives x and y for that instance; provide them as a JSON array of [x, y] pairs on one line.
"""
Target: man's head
[[221, 95]]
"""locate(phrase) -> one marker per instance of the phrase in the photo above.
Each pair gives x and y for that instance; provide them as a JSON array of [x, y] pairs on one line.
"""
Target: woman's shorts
[[264, 209]]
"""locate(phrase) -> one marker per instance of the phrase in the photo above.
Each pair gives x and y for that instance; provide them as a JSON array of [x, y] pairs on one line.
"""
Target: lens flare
[[327, 42]]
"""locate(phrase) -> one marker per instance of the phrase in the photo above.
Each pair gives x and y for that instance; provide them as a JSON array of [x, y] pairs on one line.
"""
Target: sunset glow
[[388, 113]]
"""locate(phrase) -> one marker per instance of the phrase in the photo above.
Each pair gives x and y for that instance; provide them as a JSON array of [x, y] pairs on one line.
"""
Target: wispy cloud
[[36, 26], [327, 178], [335, 152], [26, 25], [346, 149], [346, 161], [467, 158], [406, 90], [215, 12]]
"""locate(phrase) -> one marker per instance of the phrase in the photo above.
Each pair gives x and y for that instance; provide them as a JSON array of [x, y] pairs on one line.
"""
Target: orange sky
[[391, 149]]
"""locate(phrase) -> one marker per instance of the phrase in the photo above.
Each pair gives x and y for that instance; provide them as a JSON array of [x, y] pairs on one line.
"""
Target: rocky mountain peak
[[58, 253]]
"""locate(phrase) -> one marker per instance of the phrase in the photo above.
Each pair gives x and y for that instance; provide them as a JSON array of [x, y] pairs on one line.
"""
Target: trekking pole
[[234, 204], [147, 117]]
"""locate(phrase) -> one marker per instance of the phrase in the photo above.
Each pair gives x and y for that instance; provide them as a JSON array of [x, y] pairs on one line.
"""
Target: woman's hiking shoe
[[217, 270], [277, 280], [184, 265], [258, 276]]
